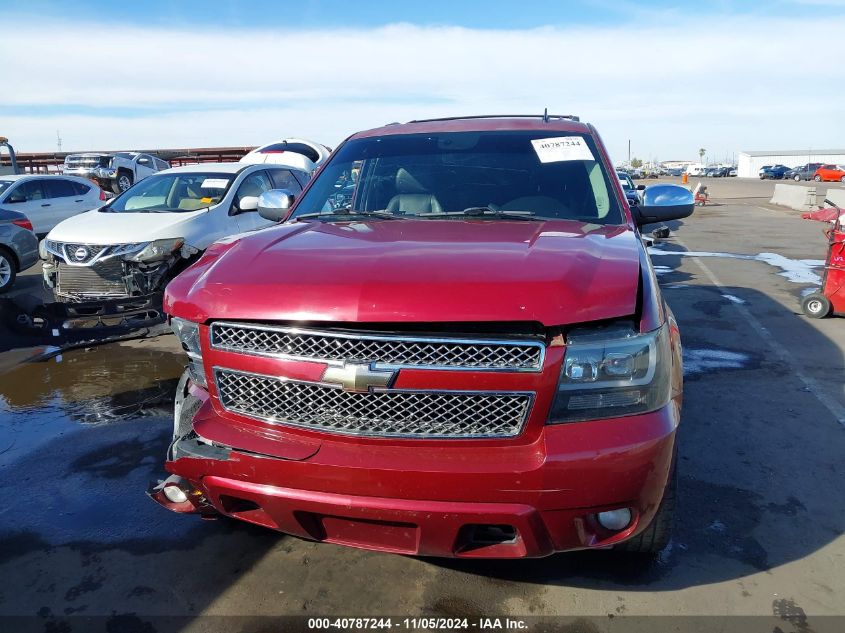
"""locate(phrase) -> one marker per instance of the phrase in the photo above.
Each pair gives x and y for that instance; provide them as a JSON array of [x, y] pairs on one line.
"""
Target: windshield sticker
[[561, 148], [214, 183]]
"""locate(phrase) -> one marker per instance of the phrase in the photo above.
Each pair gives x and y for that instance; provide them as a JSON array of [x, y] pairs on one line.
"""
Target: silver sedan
[[18, 246]]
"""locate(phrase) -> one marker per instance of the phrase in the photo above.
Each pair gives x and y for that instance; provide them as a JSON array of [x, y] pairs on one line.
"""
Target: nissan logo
[[80, 254]]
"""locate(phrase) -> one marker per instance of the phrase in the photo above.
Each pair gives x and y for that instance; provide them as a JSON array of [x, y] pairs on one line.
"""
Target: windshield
[[547, 175], [172, 193]]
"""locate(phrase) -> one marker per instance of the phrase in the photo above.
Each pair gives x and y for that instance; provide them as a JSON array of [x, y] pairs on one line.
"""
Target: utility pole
[[629, 152], [58, 141]]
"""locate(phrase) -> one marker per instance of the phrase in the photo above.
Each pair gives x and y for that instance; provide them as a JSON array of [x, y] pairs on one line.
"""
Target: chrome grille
[[422, 414], [383, 350], [102, 279], [71, 252]]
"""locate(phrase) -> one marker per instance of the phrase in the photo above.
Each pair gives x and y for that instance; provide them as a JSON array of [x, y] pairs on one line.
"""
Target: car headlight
[[48, 246], [126, 249], [613, 371], [158, 250], [188, 334]]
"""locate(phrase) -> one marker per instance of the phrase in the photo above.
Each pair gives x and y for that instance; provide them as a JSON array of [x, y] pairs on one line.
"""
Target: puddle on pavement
[[86, 432], [94, 385]]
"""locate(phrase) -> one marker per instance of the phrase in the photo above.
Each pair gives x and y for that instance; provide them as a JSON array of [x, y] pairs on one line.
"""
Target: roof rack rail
[[545, 116]]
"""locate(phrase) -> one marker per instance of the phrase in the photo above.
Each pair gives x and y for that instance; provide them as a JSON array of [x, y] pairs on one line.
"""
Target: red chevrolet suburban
[[453, 344]]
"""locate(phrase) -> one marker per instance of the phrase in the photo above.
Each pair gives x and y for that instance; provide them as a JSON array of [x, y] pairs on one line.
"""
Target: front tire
[[842, 179], [657, 535], [122, 182], [817, 178], [8, 270], [816, 306], [796, 178]]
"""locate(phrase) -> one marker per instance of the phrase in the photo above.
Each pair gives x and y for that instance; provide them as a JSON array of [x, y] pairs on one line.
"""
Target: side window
[[145, 160], [160, 164], [284, 179], [253, 185], [26, 192], [80, 189], [302, 177], [59, 188]]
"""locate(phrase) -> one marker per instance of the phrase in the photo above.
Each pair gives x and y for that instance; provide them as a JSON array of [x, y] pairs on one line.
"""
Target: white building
[[749, 163]]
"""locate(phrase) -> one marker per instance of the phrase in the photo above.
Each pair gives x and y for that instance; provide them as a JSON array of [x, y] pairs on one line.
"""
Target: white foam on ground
[[799, 271], [733, 299], [698, 361]]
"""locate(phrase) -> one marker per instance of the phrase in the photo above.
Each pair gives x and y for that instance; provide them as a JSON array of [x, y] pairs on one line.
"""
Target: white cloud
[[670, 85]]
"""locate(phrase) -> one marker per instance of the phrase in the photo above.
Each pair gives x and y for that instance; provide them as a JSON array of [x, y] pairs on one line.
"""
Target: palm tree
[[702, 152]]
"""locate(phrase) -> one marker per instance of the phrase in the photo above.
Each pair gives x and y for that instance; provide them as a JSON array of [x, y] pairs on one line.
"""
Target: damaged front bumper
[[123, 276], [128, 312], [112, 279], [421, 499]]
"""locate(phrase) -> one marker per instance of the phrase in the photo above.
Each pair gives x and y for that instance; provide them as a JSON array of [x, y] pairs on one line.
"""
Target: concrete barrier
[[795, 197], [836, 196]]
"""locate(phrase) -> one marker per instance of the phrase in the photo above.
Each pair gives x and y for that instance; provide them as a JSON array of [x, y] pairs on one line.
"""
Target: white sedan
[[47, 200], [132, 246]]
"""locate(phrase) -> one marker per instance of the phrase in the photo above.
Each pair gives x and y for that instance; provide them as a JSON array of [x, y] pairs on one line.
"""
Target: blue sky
[[671, 77], [484, 14]]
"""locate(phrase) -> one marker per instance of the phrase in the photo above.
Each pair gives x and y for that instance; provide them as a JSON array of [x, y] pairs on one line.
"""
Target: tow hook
[[179, 495]]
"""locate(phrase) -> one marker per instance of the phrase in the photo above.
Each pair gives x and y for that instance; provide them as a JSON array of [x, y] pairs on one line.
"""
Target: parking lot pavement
[[761, 510], [30, 284]]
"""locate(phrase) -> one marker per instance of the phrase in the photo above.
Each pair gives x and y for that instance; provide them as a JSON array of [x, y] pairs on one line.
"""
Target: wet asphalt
[[761, 508]]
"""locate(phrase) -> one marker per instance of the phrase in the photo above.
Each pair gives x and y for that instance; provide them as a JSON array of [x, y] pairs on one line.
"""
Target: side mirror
[[247, 203], [275, 204], [640, 187], [662, 203]]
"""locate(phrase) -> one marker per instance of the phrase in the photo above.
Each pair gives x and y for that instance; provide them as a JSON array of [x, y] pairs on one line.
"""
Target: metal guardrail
[[52, 162]]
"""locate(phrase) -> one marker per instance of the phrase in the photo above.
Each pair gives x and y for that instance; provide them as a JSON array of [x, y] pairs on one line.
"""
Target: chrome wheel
[[6, 269], [124, 182], [815, 306]]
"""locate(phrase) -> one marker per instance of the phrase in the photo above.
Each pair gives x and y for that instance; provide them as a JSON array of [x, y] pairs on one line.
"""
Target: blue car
[[632, 192], [775, 172]]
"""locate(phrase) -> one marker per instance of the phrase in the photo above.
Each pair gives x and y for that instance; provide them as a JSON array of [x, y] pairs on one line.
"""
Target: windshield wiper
[[344, 213], [485, 212]]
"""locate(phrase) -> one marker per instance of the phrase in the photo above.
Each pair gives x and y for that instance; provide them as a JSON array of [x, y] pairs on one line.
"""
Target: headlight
[[126, 249], [188, 334], [50, 246], [612, 372], [158, 250]]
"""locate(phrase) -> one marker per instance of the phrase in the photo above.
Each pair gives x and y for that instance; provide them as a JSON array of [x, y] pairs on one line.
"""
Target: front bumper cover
[[429, 499]]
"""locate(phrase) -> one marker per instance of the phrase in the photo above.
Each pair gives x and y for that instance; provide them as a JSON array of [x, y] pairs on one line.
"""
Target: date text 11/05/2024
[[413, 624]]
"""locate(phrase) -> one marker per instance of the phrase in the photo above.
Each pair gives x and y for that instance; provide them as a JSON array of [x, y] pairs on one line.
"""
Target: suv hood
[[416, 271], [94, 227]]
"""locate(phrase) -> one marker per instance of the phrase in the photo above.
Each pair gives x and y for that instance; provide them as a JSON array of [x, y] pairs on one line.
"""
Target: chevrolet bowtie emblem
[[358, 377]]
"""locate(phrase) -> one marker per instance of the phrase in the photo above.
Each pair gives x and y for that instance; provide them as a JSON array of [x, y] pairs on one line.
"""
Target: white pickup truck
[[113, 171]]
